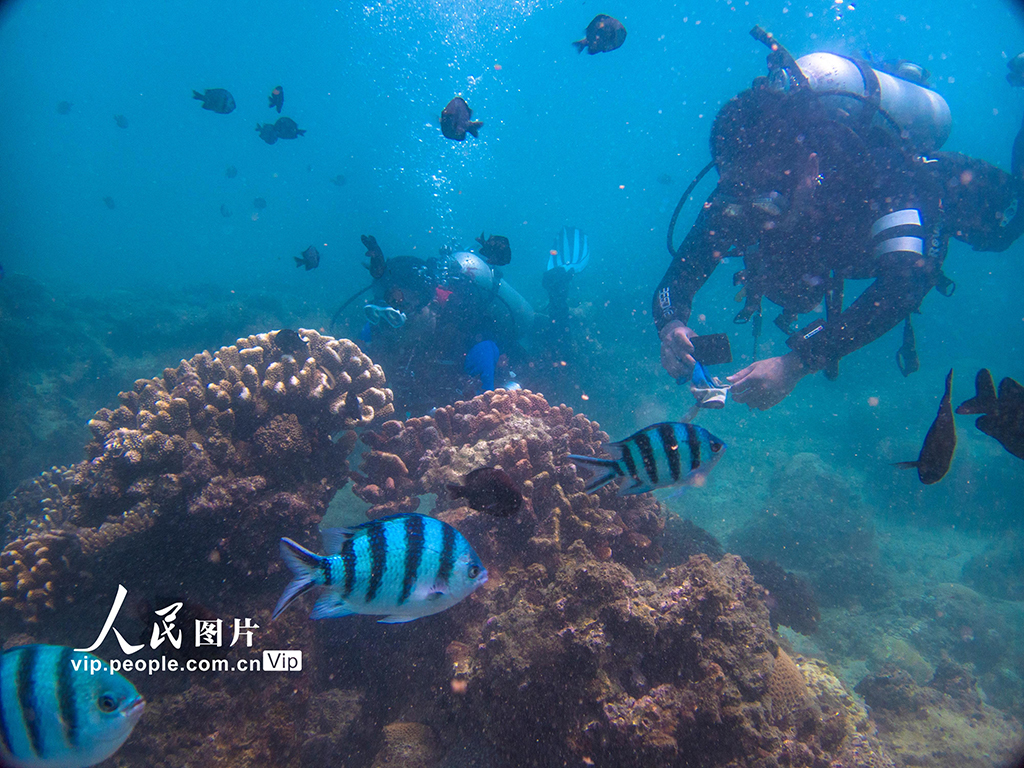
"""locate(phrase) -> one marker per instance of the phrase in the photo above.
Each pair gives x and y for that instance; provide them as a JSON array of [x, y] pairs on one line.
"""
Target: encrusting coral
[[227, 452], [522, 434]]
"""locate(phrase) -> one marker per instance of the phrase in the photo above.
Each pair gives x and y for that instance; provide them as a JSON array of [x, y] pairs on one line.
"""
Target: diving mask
[[390, 315]]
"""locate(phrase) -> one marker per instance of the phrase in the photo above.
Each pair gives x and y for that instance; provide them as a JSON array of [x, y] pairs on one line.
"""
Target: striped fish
[[61, 708], [400, 567], [658, 456]]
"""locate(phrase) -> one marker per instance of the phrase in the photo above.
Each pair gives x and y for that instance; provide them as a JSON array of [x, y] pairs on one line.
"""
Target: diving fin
[[572, 251]]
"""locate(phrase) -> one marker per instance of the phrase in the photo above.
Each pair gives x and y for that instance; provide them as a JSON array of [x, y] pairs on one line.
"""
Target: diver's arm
[[690, 268], [904, 275]]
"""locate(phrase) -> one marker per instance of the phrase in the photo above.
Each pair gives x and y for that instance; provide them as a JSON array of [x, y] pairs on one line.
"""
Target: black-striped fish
[[62, 708], [400, 567], [658, 456]]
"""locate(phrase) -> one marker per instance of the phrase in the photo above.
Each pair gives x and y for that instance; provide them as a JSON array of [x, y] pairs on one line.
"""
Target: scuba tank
[[490, 284], [856, 88]]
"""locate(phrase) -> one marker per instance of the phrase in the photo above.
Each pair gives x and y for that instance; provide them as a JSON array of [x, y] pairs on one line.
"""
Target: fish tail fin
[[906, 464], [308, 570], [579, 45], [457, 491], [984, 400], [300, 131], [197, 95], [298, 262], [474, 128], [610, 467]]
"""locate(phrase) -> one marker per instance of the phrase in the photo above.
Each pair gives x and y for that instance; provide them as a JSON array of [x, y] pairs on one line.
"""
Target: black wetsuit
[[873, 211]]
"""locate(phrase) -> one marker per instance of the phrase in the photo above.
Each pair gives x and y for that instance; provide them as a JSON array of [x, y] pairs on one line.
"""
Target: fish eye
[[107, 703], [474, 571], [716, 447]]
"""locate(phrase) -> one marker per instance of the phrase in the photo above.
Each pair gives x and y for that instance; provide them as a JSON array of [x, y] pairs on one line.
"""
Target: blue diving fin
[[571, 252]]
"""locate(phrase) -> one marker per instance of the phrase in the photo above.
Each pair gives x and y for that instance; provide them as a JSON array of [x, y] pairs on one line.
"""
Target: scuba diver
[[829, 171], [450, 327]]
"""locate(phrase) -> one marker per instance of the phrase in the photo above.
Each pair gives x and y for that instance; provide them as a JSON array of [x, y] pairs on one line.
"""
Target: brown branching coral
[[224, 453], [522, 434]]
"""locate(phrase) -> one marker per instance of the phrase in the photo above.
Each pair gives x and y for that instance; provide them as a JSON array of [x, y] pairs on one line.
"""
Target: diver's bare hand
[[767, 382], [676, 350]]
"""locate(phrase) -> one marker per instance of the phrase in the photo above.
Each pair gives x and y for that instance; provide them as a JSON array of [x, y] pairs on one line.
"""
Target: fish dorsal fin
[[984, 400], [614, 449], [1009, 389], [333, 539]]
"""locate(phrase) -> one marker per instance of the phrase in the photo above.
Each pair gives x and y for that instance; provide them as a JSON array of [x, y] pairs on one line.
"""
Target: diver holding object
[[829, 170]]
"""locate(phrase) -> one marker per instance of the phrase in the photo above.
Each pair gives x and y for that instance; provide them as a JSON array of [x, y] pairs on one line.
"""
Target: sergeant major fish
[[400, 567], [59, 710], [661, 455]]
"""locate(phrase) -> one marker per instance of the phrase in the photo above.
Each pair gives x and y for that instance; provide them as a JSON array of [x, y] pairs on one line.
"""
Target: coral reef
[[999, 570], [790, 599], [601, 668], [520, 433], [224, 454], [816, 524], [928, 725], [408, 745]]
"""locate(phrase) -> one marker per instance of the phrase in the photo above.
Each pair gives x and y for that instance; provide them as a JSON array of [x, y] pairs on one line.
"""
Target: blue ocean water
[[567, 139]]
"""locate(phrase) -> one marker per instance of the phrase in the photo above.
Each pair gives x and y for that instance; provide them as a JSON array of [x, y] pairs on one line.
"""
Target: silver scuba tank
[[480, 272], [920, 112]]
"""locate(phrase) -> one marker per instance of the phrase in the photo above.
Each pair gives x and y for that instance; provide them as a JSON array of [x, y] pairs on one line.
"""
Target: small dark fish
[[1003, 415], [489, 490], [353, 409], [1, 271], [378, 265], [260, 203], [216, 100], [121, 120], [64, 108], [289, 342], [277, 99], [231, 171], [267, 132], [937, 452], [456, 120], [225, 211], [603, 34], [109, 202], [495, 250], [338, 181], [669, 453], [310, 259], [906, 356], [1014, 77], [665, 179], [286, 128]]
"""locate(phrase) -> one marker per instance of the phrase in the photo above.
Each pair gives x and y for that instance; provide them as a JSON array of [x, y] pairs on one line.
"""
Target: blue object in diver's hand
[[481, 360]]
